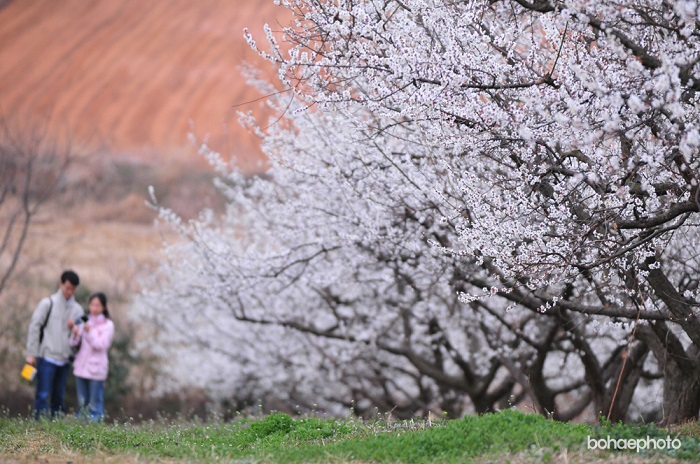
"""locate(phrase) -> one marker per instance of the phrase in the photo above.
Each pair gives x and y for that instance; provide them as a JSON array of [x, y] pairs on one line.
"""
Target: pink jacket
[[91, 362]]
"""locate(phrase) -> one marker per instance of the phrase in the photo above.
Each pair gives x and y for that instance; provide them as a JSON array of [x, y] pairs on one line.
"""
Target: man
[[55, 316]]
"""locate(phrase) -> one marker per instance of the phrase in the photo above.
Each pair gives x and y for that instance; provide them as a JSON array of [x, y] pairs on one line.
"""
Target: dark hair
[[103, 299], [71, 277]]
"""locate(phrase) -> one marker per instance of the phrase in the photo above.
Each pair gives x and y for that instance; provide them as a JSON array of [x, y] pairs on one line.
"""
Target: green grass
[[508, 435]]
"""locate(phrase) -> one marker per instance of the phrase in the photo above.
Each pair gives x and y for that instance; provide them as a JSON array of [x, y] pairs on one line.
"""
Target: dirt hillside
[[130, 76], [126, 79]]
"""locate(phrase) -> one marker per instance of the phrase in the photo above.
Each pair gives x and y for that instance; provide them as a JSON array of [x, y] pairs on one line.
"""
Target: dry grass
[[124, 458], [688, 429], [54, 453], [36, 447], [108, 255], [103, 229], [575, 457], [68, 457]]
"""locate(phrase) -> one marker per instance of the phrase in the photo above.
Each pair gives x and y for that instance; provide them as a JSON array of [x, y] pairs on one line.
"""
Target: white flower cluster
[[464, 197]]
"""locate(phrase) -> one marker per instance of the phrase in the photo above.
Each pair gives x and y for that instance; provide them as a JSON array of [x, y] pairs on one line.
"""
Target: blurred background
[[97, 98]]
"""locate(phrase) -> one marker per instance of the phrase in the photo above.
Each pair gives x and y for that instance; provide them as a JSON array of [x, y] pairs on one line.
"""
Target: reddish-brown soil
[[128, 76], [121, 80]]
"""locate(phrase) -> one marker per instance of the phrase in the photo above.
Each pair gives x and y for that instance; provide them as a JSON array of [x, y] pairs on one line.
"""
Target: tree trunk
[[681, 395], [681, 370], [620, 402]]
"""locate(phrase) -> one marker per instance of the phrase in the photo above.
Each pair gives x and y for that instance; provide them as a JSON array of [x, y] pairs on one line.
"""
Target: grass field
[[508, 436]]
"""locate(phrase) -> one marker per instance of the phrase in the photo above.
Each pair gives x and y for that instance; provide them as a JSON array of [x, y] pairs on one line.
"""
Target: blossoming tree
[[580, 120], [329, 268], [539, 160]]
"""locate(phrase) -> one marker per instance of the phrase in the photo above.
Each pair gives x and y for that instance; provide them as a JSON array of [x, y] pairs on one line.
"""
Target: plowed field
[[125, 81], [131, 76]]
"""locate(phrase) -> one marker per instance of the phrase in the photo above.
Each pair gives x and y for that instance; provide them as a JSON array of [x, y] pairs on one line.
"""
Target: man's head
[[69, 282]]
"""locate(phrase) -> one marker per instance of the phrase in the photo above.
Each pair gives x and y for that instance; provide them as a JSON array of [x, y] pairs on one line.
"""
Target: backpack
[[74, 350], [46, 321]]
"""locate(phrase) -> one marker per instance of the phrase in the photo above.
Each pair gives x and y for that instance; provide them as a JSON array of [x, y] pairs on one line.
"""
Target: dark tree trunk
[[627, 383], [681, 371], [681, 394]]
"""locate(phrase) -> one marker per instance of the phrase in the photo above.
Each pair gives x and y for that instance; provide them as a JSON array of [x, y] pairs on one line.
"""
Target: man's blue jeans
[[50, 382], [90, 398]]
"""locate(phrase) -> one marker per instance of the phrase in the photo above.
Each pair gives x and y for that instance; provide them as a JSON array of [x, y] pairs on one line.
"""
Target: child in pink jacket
[[91, 362]]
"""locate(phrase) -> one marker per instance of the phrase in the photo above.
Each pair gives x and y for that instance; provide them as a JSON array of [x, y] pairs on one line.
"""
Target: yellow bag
[[28, 372]]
